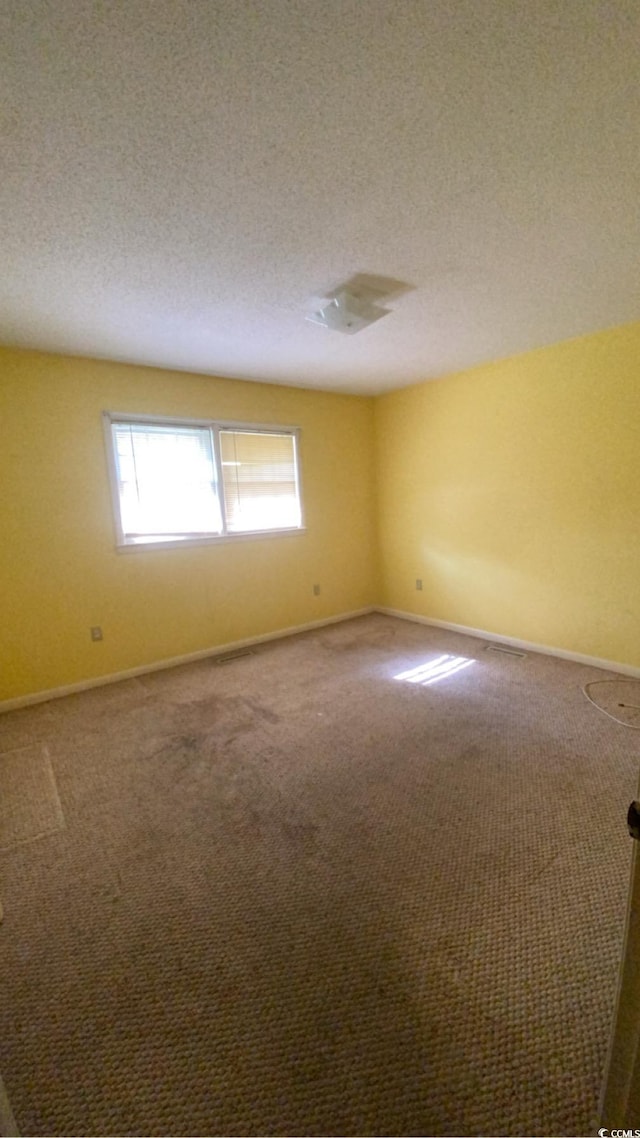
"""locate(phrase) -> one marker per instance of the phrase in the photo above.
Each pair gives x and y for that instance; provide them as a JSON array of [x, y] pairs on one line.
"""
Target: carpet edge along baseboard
[[174, 661], [514, 642], [234, 645]]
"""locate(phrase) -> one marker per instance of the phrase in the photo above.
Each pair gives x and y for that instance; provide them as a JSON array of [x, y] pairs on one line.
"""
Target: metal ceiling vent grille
[[502, 648], [355, 304]]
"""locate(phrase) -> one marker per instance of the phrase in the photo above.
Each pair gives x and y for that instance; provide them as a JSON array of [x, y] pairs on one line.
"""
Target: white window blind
[[259, 476], [166, 481], [181, 481]]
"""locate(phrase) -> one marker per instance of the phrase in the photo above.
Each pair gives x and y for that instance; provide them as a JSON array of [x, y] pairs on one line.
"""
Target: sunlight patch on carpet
[[434, 670]]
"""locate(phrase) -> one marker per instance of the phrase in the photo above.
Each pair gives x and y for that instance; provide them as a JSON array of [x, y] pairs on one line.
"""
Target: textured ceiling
[[183, 180]]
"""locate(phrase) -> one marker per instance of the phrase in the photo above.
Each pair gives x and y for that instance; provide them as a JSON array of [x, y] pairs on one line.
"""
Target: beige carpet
[[296, 895], [29, 802]]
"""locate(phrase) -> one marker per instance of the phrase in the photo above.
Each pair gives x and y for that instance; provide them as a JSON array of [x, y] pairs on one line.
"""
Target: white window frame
[[215, 426]]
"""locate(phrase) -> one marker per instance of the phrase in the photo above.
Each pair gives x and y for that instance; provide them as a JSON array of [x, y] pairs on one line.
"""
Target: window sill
[[217, 539]]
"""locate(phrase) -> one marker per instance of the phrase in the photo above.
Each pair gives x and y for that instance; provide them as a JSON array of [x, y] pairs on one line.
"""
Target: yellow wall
[[513, 491], [60, 573]]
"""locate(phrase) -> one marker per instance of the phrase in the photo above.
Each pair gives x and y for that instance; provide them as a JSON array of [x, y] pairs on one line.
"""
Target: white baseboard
[[236, 645], [174, 661], [514, 642]]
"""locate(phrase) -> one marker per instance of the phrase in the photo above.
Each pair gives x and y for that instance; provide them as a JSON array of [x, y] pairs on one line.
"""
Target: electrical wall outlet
[[96, 632], [419, 584], [316, 590]]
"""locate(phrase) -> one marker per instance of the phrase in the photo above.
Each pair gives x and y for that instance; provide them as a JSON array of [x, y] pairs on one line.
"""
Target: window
[[182, 481]]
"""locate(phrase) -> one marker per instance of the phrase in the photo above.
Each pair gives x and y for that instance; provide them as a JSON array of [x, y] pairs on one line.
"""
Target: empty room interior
[[319, 567]]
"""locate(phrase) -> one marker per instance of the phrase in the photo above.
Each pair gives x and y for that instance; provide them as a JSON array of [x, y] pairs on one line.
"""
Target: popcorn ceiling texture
[[183, 180], [297, 896]]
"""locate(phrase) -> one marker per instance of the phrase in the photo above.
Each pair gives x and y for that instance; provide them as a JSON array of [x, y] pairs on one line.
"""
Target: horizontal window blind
[[260, 480]]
